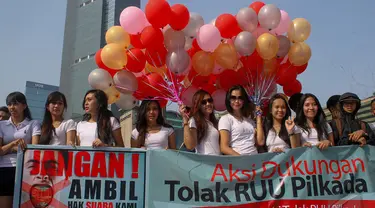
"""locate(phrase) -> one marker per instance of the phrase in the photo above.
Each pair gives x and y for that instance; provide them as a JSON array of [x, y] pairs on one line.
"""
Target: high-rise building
[[85, 26], [36, 95]]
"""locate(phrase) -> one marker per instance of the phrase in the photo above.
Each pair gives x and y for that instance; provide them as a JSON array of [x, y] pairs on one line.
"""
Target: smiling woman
[[311, 120], [56, 130], [15, 133], [200, 131], [151, 131]]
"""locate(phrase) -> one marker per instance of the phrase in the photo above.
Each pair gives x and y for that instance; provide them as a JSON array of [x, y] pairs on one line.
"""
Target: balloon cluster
[[167, 53]]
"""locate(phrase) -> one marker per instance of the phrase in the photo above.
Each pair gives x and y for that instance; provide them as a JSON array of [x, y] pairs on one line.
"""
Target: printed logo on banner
[[82, 179]]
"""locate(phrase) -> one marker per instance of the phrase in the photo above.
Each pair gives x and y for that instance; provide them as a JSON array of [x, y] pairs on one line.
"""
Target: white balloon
[[126, 101], [213, 22], [195, 22], [188, 43], [269, 16], [100, 79]]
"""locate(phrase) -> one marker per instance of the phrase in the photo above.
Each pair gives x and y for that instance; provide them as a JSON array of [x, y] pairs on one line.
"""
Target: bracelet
[[291, 134]]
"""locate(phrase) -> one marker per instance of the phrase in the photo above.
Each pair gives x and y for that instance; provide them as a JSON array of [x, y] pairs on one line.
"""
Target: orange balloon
[[112, 94], [267, 46], [114, 56], [270, 67], [299, 30], [152, 69], [116, 34], [299, 54], [226, 56], [203, 63]]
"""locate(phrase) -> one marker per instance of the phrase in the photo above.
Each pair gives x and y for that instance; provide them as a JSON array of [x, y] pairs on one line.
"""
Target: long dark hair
[[47, 128], [199, 116], [247, 108], [141, 124], [104, 115], [18, 97], [319, 121], [268, 121]]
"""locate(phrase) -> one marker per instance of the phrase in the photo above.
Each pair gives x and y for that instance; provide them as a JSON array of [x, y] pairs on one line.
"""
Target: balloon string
[[168, 85]]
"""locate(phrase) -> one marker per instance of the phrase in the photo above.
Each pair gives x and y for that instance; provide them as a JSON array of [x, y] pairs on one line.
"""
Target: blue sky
[[342, 42]]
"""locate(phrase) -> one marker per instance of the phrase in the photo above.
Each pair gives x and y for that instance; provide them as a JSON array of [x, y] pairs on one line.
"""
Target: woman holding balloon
[[239, 135], [280, 129], [151, 131], [99, 128], [200, 131]]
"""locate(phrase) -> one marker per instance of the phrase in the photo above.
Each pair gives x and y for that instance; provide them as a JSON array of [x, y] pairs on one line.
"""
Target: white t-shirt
[[158, 140], [312, 138], [9, 132], [60, 137], [210, 142], [87, 131], [241, 133], [274, 141]]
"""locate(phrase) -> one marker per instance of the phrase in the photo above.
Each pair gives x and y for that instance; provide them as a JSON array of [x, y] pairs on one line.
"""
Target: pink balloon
[[219, 99], [187, 95], [259, 31], [139, 74], [208, 37], [133, 20], [217, 69], [284, 23], [125, 81]]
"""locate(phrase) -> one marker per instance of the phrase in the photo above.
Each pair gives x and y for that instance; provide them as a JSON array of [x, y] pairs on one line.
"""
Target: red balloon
[[301, 69], [192, 51], [156, 57], [195, 45], [163, 103], [143, 88], [292, 88], [136, 60], [253, 61], [286, 74], [135, 40], [198, 80], [227, 79], [179, 17], [227, 25], [158, 86], [210, 88], [174, 77], [158, 13], [152, 38], [256, 6], [101, 65]]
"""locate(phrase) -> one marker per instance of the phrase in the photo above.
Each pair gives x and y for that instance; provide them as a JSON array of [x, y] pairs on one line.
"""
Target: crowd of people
[[245, 130]]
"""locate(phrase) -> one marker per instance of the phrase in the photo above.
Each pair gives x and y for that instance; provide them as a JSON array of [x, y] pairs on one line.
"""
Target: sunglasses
[[236, 98], [209, 100]]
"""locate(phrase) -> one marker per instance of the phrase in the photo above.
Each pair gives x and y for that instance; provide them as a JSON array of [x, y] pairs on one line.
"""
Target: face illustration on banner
[[41, 177]]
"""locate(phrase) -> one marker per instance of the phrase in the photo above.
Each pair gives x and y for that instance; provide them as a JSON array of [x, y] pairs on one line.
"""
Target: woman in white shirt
[[280, 130], [311, 120], [98, 128], [56, 130], [151, 131], [238, 133], [18, 131], [200, 131]]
